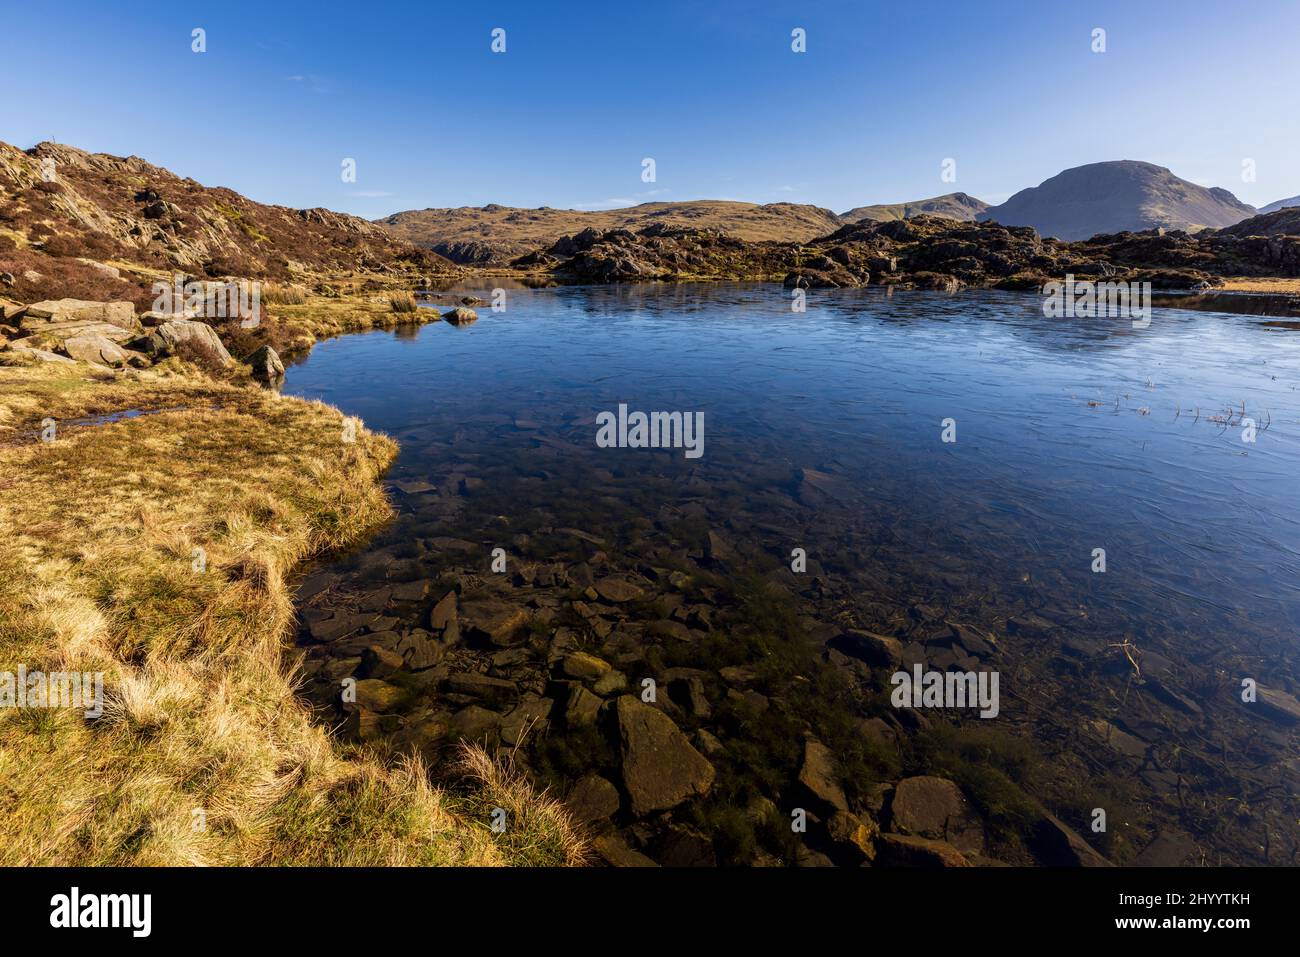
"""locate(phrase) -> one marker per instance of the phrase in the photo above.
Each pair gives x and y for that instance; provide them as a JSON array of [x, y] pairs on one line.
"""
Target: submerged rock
[[904, 850], [660, 767], [877, 650], [854, 835], [492, 620], [592, 799], [1279, 705], [819, 779], [617, 590], [934, 808], [1056, 844]]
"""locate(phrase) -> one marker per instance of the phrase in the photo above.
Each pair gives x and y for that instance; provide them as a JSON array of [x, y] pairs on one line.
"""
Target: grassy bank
[[1286, 286], [203, 755]]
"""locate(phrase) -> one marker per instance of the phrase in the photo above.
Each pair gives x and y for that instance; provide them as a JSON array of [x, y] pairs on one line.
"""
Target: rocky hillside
[[1114, 197], [1280, 222], [951, 206], [929, 252], [496, 234], [659, 251], [95, 226]]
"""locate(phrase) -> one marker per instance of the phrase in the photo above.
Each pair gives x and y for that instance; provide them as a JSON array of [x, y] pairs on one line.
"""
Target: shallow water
[[1071, 436]]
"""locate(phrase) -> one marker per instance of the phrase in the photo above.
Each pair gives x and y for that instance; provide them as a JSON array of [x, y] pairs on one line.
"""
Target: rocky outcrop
[[660, 251], [98, 202], [183, 334], [931, 253], [120, 314]]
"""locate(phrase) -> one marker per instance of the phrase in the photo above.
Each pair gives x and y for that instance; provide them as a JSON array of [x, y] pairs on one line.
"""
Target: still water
[[1169, 456]]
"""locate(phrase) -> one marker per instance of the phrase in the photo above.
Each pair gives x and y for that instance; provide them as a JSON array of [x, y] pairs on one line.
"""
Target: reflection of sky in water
[[1194, 521]]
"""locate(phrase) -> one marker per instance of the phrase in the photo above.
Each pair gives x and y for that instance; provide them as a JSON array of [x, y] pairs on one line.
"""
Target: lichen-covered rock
[[120, 314], [179, 333], [96, 349]]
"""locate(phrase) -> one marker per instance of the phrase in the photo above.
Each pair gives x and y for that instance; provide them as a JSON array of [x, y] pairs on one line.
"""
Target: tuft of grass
[[402, 302], [538, 829], [283, 294], [204, 755]]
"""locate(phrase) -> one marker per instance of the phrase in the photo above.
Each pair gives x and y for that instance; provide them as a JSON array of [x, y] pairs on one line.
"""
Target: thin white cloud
[[614, 202], [313, 82], [617, 202]]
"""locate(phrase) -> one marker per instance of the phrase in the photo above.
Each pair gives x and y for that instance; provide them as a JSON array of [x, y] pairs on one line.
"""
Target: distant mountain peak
[[1117, 196], [959, 206], [1280, 204]]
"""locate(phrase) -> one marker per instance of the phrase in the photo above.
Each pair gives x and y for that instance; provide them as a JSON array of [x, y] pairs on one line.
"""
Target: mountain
[[1280, 204], [479, 235], [1117, 196], [957, 206], [95, 226]]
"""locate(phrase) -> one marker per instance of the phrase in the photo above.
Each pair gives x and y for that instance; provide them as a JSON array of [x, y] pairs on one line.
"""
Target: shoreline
[[163, 567]]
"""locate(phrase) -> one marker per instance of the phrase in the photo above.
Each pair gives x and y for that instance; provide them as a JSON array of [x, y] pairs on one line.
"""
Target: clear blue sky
[[711, 91]]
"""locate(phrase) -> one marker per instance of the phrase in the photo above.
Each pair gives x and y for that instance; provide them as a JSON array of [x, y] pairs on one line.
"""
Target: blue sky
[[711, 91]]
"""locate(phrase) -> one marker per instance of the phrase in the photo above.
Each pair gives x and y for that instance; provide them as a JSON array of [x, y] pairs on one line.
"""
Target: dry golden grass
[[284, 293], [323, 317], [98, 532], [1261, 285], [402, 302]]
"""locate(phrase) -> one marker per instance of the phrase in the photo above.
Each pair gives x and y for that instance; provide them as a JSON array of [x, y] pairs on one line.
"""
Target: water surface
[[824, 431]]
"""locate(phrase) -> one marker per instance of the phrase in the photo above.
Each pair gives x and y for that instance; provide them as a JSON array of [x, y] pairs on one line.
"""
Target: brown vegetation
[[203, 755]]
